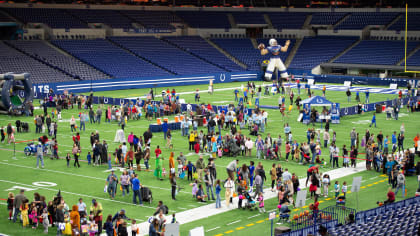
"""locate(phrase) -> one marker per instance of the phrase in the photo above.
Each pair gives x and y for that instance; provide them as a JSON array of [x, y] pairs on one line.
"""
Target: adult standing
[[231, 168], [111, 182], [229, 186], [125, 181], [348, 94], [199, 165], [82, 121], [260, 147], [73, 124], [273, 174], [158, 166], [209, 180], [353, 137], [81, 208], [172, 179], [171, 165], [96, 211], [165, 129], [99, 114], [17, 203], [136, 190], [39, 155], [335, 151], [326, 138]]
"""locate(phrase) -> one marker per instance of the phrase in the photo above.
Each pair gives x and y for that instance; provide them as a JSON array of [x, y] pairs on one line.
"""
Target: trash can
[[378, 108]]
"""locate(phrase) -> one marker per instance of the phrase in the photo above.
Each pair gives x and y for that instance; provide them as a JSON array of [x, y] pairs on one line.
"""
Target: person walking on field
[[231, 168], [39, 155], [373, 120]]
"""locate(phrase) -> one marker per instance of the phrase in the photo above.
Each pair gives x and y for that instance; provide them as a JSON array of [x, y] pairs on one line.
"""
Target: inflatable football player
[[275, 61]]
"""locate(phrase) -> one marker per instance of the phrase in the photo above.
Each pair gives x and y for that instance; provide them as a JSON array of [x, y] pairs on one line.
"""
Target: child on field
[[10, 199], [220, 152], [194, 188], [261, 200], [93, 227], [68, 160], [326, 184], [34, 216], [89, 158], [134, 228], [24, 208], [180, 168], [163, 172], [344, 188], [45, 220], [336, 189], [218, 189]]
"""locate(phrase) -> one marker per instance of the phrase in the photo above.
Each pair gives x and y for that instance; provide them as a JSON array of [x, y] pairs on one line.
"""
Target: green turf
[[88, 182], [223, 97]]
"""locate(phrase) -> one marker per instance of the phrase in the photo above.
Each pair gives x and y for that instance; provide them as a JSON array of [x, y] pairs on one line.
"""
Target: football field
[[87, 182]]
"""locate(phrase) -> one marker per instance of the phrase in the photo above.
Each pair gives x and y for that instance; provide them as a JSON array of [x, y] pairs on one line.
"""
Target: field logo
[[222, 77]]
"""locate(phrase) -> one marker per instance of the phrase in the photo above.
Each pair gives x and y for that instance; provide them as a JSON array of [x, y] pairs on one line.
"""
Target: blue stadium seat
[[12, 60], [109, 58], [376, 52], [358, 20], [199, 47], [316, 50]]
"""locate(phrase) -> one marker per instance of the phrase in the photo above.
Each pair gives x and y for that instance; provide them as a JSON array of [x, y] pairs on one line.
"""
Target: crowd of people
[[244, 129]]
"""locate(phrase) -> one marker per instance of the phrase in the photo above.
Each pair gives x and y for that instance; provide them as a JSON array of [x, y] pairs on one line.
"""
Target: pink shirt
[[287, 148]]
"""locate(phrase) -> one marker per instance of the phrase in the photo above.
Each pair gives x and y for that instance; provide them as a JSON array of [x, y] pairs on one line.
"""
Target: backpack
[[165, 209]]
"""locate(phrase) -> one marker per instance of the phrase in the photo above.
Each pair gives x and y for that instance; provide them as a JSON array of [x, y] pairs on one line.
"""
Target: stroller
[[146, 195], [235, 150], [25, 127], [249, 203]]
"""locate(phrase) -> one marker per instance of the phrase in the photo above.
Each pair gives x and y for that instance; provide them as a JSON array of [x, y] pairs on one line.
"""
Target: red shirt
[[197, 147], [310, 170], [316, 204], [391, 196], [158, 152]]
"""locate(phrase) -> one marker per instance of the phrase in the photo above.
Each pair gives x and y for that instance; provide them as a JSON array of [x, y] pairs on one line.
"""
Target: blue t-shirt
[[386, 142], [394, 139], [251, 170], [218, 189], [136, 184]]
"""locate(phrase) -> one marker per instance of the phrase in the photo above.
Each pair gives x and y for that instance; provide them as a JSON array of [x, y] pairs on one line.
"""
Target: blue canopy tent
[[316, 101], [323, 102]]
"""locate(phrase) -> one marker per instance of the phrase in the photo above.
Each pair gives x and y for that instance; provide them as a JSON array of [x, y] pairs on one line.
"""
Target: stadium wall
[[361, 80], [145, 82]]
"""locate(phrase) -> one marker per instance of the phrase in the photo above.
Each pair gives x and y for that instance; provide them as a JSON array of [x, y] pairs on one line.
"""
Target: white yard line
[[218, 227], [77, 194], [191, 92], [253, 216], [78, 175], [231, 223]]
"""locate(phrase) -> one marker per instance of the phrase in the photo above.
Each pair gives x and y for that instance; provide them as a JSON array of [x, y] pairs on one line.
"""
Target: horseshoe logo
[[222, 77], [106, 100]]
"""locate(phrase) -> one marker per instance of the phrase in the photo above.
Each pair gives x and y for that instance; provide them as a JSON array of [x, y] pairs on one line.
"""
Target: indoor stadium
[[209, 117]]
